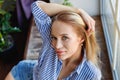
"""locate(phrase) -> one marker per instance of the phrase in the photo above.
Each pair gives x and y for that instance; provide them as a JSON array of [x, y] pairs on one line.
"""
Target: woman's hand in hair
[[52, 9], [90, 22]]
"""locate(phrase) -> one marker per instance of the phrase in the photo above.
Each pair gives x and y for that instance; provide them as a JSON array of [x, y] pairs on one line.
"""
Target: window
[[110, 16]]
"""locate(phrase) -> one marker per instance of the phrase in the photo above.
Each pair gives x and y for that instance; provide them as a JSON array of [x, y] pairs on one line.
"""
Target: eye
[[65, 38], [53, 38]]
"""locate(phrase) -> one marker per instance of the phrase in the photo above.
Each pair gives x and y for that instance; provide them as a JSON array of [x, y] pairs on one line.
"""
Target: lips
[[59, 52]]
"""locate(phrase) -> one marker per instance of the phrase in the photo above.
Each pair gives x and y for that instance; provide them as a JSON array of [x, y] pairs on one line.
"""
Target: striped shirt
[[49, 66]]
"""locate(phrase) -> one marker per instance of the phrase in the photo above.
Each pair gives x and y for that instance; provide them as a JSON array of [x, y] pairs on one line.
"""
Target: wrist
[[81, 12]]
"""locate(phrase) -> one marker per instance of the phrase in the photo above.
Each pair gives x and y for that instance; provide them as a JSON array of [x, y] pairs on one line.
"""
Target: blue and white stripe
[[49, 66]]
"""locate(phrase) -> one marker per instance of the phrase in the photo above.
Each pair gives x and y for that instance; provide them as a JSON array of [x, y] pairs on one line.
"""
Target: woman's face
[[65, 40]]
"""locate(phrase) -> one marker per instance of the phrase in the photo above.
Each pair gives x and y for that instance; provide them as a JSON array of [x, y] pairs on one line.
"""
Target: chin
[[61, 58]]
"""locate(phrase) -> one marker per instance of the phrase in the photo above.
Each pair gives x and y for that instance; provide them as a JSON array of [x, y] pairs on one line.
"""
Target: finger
[[91, 30], [89, 27], [90, 33], [93, 25]]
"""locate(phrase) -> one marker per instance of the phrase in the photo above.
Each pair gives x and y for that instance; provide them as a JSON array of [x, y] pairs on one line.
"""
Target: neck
[[75, 59]]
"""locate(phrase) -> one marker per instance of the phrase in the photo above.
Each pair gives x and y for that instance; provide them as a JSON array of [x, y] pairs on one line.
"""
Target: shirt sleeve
[[43, 23], [42, 20], [97, 77]]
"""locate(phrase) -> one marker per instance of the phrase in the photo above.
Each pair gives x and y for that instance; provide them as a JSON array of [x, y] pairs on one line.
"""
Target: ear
[[82, 40]]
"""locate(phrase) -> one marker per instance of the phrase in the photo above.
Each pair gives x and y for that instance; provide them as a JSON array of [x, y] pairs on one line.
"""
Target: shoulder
[[92, 71]]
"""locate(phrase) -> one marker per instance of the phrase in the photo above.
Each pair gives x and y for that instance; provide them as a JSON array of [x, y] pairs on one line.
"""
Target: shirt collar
[[80, 66]]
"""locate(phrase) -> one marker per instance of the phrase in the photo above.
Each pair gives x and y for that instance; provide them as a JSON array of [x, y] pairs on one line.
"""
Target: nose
[[58, 44]]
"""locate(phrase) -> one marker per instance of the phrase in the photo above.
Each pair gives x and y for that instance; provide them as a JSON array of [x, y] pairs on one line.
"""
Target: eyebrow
[[60, 34]]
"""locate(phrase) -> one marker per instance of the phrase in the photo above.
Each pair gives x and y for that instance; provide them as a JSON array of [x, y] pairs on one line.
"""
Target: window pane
[[119, 15], [113, 3], [110, 23], [118, 60]]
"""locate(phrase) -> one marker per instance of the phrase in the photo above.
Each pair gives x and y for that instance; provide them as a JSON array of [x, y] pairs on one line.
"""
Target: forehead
[[59, 27]]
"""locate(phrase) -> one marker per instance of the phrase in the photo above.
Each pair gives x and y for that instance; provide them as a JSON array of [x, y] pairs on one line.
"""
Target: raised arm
[[52, 9]]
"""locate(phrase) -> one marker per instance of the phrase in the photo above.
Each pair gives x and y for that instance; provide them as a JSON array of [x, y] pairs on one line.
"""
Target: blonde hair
[[90, 43]]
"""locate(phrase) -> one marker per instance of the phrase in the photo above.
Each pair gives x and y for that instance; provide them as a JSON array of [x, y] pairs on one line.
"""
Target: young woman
[[69, 49]]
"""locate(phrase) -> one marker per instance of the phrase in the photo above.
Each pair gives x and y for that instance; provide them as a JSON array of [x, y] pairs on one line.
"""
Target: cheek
[[69, 44], [72, 45], [75, 42]]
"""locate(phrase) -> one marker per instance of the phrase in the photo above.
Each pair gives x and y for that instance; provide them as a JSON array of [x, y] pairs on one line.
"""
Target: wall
[[92, 7]]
